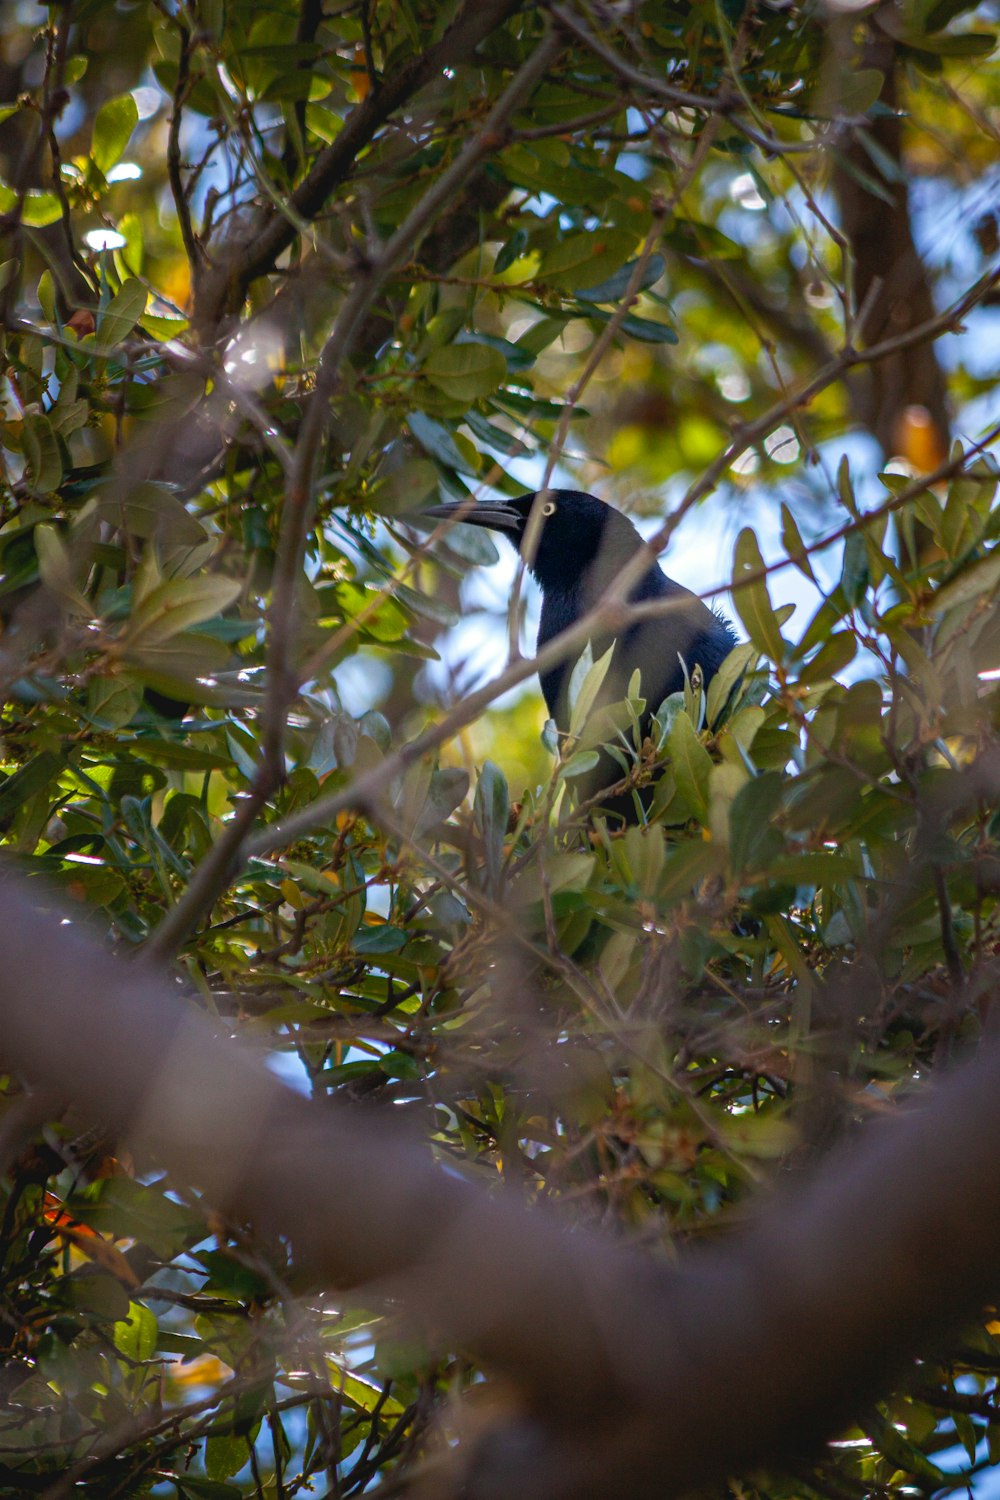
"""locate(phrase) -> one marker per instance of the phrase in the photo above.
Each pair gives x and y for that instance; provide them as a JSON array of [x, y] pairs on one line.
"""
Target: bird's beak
[[492, 513]]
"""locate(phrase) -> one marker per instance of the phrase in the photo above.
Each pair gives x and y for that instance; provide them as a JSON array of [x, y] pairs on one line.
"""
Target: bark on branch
[[891, 284]]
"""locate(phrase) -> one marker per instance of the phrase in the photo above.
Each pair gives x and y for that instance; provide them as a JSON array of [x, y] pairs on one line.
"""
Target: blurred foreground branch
[[658, 1379]]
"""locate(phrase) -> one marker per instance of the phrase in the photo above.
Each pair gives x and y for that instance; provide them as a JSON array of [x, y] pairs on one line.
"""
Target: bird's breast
[[561, 609]]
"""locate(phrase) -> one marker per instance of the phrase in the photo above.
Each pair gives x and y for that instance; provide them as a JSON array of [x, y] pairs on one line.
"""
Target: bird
[[582, 546]]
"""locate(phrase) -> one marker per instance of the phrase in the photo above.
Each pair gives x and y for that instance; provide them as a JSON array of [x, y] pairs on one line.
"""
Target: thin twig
[[255, 251], [213, 874], [182, 206], [608, 614]]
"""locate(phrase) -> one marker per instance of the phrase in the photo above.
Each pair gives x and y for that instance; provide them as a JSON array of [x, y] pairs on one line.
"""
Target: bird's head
[[560, 533]]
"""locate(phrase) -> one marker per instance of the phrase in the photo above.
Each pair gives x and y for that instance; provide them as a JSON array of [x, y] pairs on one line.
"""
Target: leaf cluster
[[646, 1025]]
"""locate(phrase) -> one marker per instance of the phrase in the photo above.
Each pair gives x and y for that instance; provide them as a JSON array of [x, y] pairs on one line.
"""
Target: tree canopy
[[275, 279]]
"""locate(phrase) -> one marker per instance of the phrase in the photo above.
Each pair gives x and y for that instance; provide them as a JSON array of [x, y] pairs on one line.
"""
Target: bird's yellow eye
[[549, 508]]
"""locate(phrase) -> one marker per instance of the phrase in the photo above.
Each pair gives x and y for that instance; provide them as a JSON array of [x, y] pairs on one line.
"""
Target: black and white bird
[[581, 547]]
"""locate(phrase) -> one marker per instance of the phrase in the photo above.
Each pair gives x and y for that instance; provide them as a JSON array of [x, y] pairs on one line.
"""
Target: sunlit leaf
[[122, 313], [177, 604], [586, 681], [113, 127], [465, 372], [136, 1335], [753, 604], [691, 764], [585, 260]]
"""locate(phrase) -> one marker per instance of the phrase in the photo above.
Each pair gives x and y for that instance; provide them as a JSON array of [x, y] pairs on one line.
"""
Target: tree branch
[[221, 290], [635, 1376], [886, 260]]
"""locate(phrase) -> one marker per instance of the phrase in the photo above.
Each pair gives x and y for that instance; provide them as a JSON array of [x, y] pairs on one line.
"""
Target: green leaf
[[615, 287], [643, 329], [363, 1394], [376, 726], [398, 1064], [176, 605], [208, 1489], [40, 209], [473, 543], [381, 938], [753, 839], [833, 656], [184, 757], [68, 416], [563, 872], [579, 764], [647, 331], [547, 168], [56, 568], [741, 660], [753, 604], [980, 577], [691, 764], [902, 1454], [186, 669], [44, 470], [541, 334], [131, 255], [413, 484], [967, 44], [113, 129], [112, 702], [447, 791], [169, 399], [161, 328], [550, 736], [151, 510], [795, 547], [491, 810], [231, 1275], [759, 1134], [388, 621], [47, 295], [136, 1335], [465, 372], [819, 868], [96, 1292], [535, 406], [585, 260], [225, 1456], [858, 90], [845, 487], [121, 314], [585, 683], [854, 573], [686, 867], [439, 443], [666, 714], [144, 1213], [32, 777], [511, 251], [495, 437]]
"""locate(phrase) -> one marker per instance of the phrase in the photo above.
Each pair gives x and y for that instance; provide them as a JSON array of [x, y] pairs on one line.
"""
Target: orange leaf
[[88, 1242]]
